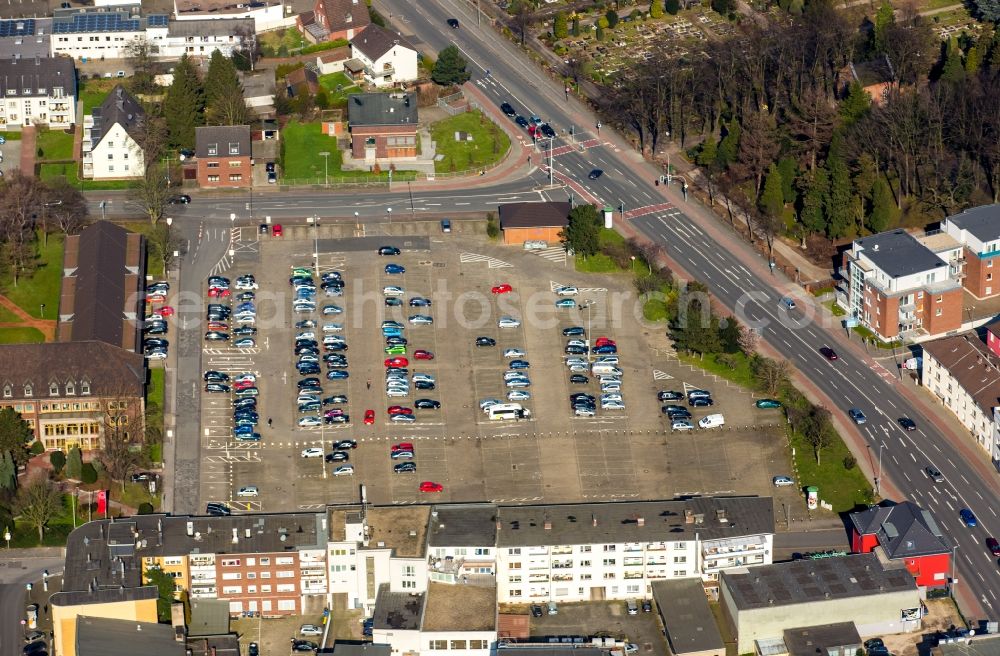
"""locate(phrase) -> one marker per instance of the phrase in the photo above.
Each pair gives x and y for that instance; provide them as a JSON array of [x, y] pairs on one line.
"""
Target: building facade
[[383, 126], [533, 221], [332, 20], [388, 58], [978, 232], [37, 91], [223, 154], [897, 286], [111, 136], [904, 534]]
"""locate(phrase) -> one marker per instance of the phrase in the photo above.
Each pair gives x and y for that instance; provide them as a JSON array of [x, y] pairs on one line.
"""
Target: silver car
[[514, 353], [508, 322]]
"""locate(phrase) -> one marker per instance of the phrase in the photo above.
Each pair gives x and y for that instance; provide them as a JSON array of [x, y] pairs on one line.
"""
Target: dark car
[[217, 387], [269, 167], [139, 477], [576, 350], [212, 376], [304, 324], [453, 23], [338, 456], [179, 199], [264, 229], [245, 331], [404, 467], [934, 474], [605, 349], [993, 546], [508, 110], [907, 423], [308, 382], [536, 610], [388, 250], [368, 627], [427, 404], [669, 395], [345, 444], [547, 131], [574, 331], [304, 645], [578, 379], [700, 402], [520, 120], [484, 341], [423, 385], [828, 353], [217, 509], [253, 649], [305, 368], [336, 399], [519, 364], [596, 173], [582, 395], [419, 301], [393, 302], [35, 648]]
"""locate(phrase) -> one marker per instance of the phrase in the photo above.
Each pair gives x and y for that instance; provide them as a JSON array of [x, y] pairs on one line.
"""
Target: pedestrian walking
[[270, 423], [369, 384]]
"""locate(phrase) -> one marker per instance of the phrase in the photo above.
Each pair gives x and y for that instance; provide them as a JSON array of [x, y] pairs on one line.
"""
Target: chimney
[[236, 536], [547, 525], [640, 521], [688, 516]]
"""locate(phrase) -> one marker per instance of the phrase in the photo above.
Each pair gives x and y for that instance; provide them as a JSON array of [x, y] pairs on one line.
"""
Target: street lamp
[[326, 162], [667, 134], [589, 302], [357, 220], [388, 213], [633, 265], [7, 536], [878, 479], [41, 310]]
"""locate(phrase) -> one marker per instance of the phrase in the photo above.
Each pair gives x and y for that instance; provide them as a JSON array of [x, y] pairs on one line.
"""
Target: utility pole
[[551, 160]]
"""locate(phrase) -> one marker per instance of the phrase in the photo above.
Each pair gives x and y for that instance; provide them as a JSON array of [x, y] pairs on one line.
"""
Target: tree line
[[779, 127]]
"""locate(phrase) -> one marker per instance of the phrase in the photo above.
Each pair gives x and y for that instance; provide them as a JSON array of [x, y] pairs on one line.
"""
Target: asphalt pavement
[[14, 574]]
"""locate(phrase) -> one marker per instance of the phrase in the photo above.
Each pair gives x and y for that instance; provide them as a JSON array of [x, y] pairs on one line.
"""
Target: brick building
[[906, 534], [223, 155], [383, 126], [977, 230], [541, 221], [330, 20], [897, 286]]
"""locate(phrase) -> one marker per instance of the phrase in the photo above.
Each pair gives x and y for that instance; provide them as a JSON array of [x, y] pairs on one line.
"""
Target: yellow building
[[134, 604], [176, 567]]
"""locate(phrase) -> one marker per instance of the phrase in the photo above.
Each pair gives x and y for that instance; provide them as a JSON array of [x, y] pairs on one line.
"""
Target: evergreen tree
[[656, 9], [883, 214], [772, 201], [576, 26], [8, 472], [856, 104], [58, 460], [884, 19], [953, 71], [838, 200], [988, 10], [74, 464], [599, 33], [789, 171], [815, 187], [221, 78], [973, 60], [560, 26], [184, 105], [582, 233], [729, 147], [15, 435], [672, 7], [613, 18], [795, 7], [708, 155], [449, 68], [729, 335], [864, 179]]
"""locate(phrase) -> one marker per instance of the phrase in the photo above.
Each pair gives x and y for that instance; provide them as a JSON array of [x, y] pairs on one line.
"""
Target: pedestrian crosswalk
[[650, 209], [493, 262]]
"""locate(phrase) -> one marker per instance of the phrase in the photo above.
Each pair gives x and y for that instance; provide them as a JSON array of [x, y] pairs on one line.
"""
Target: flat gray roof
[[382, 109], [983, 222], [464, 525], [801, 581], [361, 649], [689, 621], [637, 521], [398, 611], [899, 254], [101, 636], [811, 640]]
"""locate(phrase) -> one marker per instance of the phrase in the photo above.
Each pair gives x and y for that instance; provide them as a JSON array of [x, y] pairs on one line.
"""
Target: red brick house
[[223, 156], [904, 532], [382, 126], [331, 20], [301, 81]]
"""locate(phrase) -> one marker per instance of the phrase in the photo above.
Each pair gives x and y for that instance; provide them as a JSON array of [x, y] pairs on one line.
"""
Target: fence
[[445, 103]]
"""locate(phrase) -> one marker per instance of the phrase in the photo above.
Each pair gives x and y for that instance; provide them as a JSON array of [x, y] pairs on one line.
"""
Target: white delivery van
[[712, 421], [605, 368]]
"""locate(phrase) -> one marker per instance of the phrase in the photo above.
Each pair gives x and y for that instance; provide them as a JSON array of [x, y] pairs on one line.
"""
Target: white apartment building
[[388, 58], [111, 138], [586, 552], [265, 14], [37, 91]]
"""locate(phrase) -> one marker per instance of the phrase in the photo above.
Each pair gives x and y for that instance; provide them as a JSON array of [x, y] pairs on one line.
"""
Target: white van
[[605, 368], [712, 421]]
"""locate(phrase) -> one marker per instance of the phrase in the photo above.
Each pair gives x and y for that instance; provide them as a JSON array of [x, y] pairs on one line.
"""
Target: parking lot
[[605, 618], [551, 455]]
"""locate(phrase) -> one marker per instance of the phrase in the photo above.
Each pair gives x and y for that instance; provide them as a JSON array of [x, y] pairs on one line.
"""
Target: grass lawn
[[488, 145], [843, 488], [135, 494], [272, 42], [740, 374], [301, 144], [331, 81], [7, 316], [93, 92], [43, 285], [154, 392], [835, 309], [10, 136], [55, 145], [24, 335], [25, 535], [69, 170], [599, 262]]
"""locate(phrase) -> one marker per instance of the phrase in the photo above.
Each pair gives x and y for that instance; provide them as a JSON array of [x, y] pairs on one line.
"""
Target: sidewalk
[[28, 147]]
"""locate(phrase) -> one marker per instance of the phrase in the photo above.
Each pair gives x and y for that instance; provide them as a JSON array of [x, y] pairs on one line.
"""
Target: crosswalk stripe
[[661, 375], [493, 262]]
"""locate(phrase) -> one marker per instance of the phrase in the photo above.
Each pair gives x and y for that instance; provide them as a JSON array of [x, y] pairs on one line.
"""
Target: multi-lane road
[[735, 274]]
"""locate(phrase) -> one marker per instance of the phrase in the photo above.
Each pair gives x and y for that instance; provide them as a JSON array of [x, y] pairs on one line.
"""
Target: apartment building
[[897, 286], [37, 91], [595, 551], [461, 542], [964, 374], [387, 57], [223, 156], [265, 14], [111, 137], [977, 231]]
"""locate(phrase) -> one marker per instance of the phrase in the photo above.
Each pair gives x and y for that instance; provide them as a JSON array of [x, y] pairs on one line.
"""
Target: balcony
[[562, 577], [634, 575], [378, 74], [563, 564], [538, 578], [559, 551]]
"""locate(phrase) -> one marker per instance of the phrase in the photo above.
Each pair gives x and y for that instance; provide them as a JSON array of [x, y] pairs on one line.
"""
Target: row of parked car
[[154, 344], [680, 416], [246, 395], [224, 324]]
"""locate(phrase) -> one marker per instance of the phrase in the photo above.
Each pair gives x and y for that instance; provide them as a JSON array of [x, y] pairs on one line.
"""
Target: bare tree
[[228, 109], [524, 17], [19, 201], [66, 206], [758, 146], [165, 241], [38, 502], [771, 375], [139, 54], [818, 430], [124, 432], [748, 340]]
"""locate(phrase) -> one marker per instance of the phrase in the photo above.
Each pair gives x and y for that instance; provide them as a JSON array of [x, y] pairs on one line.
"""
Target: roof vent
[[547, 525], [236, 536], [875, 247], [640, 521], [593, 519]]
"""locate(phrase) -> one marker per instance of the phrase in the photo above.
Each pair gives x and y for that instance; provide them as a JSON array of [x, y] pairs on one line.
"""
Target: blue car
[[243, 430], [519, 364], [857, 416], [605, 349], [968, 517], [565, 303], [394, 269], [246, 307], [337, 374]]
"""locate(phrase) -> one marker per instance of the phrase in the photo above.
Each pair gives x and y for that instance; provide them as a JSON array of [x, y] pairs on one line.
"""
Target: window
[[111, 169], [282, 560], [213, 149], [232, 589], [584, 563], [53, 389], [7, 391], [111, 156], [940, 299], [251, 562], [251, 589], [610, 562], [680, 559], [235, 163], [514, 552], [231, 576], [213, 178], [338, 568], [265, 562], [438, 644], [231, 562], [70, 389], [234, 148], [516, 565], [212, 165], [409, 570], [458, 644], [286, 587], [609, 576], [585, 548], [515, 593], [265, 575], [265, 589], [285, 574], [482, 552], [989, 276], [409, 585], [85, 387], [609, 548], [285, 604], [679, 545], [251, 575], [680, 572], [235, 177], [937, 313]]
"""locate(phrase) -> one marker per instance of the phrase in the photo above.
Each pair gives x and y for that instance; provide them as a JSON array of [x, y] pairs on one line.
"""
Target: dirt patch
[[941, 615]]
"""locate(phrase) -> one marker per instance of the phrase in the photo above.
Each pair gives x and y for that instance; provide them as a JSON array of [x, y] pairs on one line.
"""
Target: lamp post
[[551, 161], [357, 220], [633, 265], [667, 134], [326, 161], [878, 479], [409, 190], [388, 213], [41, 310], [7, 536], [589, 302]]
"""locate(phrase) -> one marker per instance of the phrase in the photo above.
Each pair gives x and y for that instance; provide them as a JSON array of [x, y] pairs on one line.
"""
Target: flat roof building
[[690, 626], [535, 221]]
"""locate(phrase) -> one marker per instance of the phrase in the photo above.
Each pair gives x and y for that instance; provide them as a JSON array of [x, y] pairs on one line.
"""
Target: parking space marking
[[493, 262], [661, 375], [583, 290]]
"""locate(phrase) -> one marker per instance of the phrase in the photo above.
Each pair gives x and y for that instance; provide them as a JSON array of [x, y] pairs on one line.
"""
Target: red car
[[369, 417], [403, 446], [421, 354], [215, 325], [242, 384], [396, 362], [399, 410], [604, 341], [503, 289], [993, 546], [430, 486], [167, 311], [156, 298], [218, 292], [276, 230]]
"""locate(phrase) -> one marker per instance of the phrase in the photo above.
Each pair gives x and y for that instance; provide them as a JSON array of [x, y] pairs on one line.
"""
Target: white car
[[246, 377], [514, 353], [681, 425], [344, 470], [612, 405], [248, 491], [310, 630], [508, 322], [156, 355], [783, 481], [393, 290], [585, 412], [396, 392], [579, 368], [486, 404], [312, 452], [518, 395], [567, 291], [306, 422], [575, 361], [607, 359], [306, 334], [332, 327]]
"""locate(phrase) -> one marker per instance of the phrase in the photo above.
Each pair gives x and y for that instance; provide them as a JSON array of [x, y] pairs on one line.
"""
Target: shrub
[[37, 448], [727, 360], [492, 226], [850, 462], [74, 464], [58, 461], [145, 508], [88, 474]]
